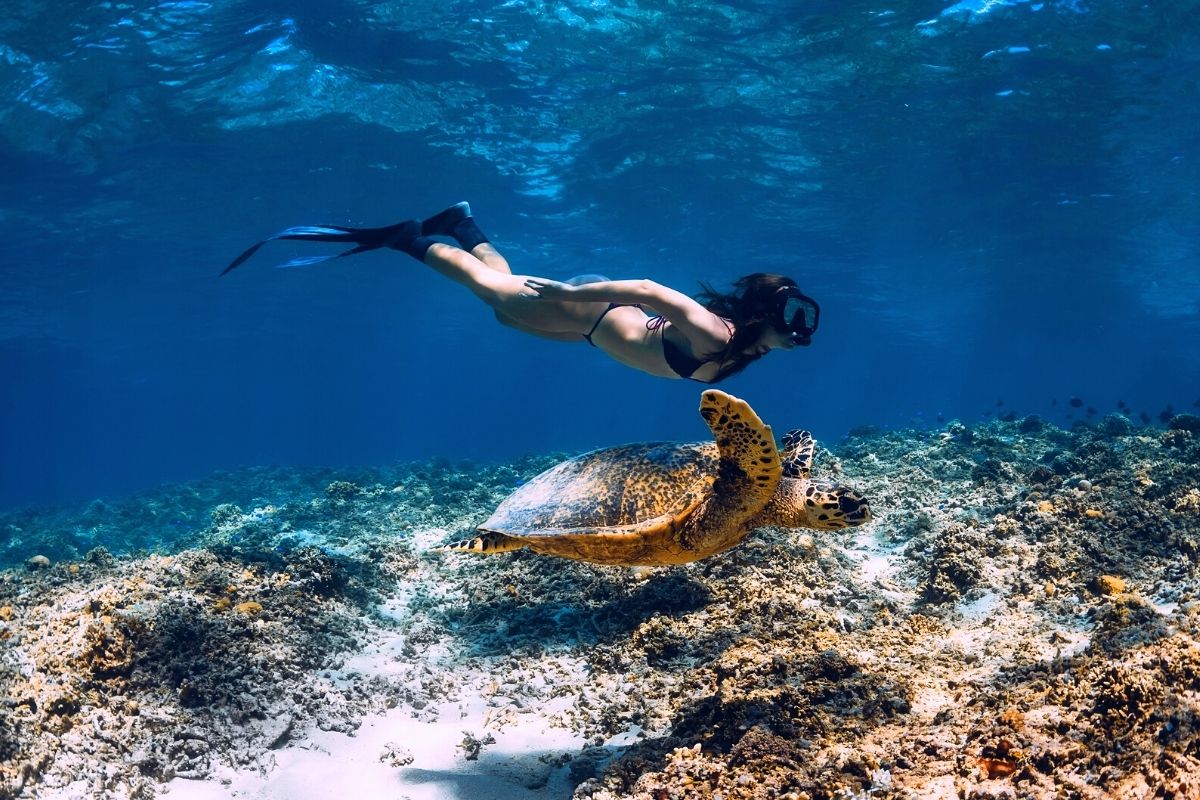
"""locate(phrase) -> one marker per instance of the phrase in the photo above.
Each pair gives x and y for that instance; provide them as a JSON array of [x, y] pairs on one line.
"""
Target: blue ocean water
[[995, 203]]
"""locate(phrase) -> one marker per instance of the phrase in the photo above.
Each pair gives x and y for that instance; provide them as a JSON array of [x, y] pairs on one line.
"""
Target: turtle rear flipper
[[749, 469], [487, 543], [797, 454]]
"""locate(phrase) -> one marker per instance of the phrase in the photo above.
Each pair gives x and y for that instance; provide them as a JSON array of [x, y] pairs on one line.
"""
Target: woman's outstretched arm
[[705, 330]]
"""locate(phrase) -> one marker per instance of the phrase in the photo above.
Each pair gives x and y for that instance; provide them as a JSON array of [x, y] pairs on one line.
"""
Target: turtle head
[[807, 503]]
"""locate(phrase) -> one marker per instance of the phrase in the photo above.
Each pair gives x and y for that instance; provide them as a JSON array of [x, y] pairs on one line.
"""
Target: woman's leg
[[490, 256], [457, 223], [507, 295], [491, 285], [478, 265]]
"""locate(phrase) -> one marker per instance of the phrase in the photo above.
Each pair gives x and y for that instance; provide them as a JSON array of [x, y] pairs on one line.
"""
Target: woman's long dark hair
[[751, 309]]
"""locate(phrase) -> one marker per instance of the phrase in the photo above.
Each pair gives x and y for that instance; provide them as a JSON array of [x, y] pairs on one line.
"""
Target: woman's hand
[[546, 289]]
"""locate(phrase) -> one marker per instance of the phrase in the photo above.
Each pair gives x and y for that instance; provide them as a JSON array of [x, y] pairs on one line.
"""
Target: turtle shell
[[607, 488]]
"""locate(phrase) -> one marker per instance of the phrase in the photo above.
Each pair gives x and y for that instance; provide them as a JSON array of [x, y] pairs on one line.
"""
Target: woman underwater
[[640, 323]]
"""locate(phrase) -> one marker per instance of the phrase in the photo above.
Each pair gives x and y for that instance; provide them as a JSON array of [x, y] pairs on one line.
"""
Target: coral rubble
[[1019, 621]]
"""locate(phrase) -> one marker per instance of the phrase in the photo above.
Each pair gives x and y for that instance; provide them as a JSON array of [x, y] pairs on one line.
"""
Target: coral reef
[[1019, 621]]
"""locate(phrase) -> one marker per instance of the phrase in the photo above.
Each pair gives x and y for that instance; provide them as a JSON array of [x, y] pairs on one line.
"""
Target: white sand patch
[[879, 566], [1164, 609], [404, 754], [959, 642], [874, 567], [428, 538], [982, 608], [519, 765], [1064, 643]]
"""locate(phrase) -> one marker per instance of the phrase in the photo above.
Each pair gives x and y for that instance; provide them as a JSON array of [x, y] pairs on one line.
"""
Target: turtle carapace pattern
[[669, 503]]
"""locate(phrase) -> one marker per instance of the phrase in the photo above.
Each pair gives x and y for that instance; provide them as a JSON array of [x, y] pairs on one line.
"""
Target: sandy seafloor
[[1019, 621]]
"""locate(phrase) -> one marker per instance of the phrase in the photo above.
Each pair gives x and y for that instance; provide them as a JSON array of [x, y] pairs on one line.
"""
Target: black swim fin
[[457, 223], [401, 236]]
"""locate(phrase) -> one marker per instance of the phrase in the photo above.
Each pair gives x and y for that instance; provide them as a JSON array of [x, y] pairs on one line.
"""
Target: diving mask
[[797, 314]]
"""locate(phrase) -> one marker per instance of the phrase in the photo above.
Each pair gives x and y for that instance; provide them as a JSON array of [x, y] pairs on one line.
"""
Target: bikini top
[[683, 364]]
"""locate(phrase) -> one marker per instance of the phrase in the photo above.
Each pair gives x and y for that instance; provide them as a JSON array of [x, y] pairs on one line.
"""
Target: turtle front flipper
[[797, 454], [489, 543], [749, 468]]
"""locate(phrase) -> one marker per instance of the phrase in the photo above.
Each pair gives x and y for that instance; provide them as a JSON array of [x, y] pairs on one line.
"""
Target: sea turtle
[[670, 503]]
